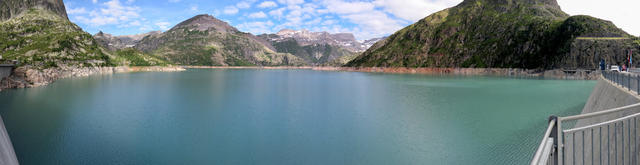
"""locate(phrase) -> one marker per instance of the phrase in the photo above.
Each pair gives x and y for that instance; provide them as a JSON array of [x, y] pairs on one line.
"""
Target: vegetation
[[200, 44], [42, 39], [491, 33], [133, 57], [313, 54]]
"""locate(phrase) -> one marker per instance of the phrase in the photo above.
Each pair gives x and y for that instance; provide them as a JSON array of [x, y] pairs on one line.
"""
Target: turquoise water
[[227, 116]]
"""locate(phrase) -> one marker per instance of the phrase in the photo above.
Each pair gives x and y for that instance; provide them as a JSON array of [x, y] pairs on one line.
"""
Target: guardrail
[[615, 141]]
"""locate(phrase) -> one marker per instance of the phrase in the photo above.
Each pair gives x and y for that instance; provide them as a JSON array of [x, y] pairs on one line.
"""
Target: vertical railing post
[[554, 135], [629, 81], [560, 145], [638, 84]]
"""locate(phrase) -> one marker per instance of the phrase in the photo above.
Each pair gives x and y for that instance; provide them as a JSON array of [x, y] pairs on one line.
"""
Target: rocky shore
[[509, 72], [27, 77]]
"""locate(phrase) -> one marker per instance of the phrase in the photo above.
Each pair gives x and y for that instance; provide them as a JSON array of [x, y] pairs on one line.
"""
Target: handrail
[[599, 113], [602, 123], [537, 156], [552, 147]]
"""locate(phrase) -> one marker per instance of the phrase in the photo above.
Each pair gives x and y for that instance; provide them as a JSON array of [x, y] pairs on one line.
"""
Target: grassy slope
[[43, 39], [133, 57], [314, 54], [210, 48], [482, 34]]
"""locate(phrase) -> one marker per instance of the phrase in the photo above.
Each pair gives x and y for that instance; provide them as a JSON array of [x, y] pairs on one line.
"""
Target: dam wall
[[5, 70], [608, 95], [7, 154]]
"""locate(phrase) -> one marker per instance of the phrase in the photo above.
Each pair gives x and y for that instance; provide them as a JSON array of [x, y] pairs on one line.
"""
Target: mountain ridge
[[12, 8], [206, 40], [532, 34]]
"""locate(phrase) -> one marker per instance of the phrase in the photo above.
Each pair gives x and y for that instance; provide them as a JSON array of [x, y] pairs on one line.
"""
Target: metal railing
[[603, 137]]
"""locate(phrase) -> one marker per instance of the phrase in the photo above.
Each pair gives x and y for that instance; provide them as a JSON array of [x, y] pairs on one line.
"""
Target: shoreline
[[508, 72], [26, 77]]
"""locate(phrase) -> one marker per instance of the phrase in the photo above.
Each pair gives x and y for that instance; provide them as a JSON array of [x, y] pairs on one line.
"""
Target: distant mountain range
[[120, 42], [475, 33], [534, 34], [206, 40]]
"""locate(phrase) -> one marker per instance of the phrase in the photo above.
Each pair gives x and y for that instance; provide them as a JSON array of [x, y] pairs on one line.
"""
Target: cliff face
[[12, 8], [114, 43], [205, 40], [42, 39], [533, 34]]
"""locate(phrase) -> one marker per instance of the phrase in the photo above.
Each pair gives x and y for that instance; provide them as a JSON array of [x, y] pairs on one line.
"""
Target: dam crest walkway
[[597, 136]]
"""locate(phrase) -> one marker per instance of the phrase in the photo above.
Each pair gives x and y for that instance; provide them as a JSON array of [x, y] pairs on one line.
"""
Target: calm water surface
[[209, 116]]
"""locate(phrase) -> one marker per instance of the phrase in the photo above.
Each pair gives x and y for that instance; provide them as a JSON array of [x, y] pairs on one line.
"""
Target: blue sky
[[365, 18]]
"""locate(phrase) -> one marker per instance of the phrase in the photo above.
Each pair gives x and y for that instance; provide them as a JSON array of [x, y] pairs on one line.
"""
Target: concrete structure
[[7, 154], [607, 131], [5, 70]]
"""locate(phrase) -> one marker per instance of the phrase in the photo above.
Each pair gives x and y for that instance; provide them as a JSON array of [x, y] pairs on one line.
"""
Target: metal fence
[[627, 80], [603, 137]]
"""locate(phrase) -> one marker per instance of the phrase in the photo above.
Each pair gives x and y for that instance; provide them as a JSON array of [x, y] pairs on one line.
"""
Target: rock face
[[319, 48], [114, 43], [48, 46], [304, 38], [205, 40], [370, 42], [42, 39], [12, 8], [532, 34]]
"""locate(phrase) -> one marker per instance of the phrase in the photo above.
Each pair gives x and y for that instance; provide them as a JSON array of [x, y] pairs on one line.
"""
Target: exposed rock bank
[[27, 77], [511, 72]]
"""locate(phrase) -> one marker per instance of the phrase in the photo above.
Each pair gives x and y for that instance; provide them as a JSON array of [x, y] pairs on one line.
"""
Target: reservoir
[[252, 116]]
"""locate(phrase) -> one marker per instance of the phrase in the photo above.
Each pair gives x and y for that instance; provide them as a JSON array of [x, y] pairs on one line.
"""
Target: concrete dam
[[606, 132]]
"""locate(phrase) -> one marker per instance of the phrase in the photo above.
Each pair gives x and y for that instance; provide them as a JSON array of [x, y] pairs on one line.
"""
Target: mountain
[[304, 38], [114, 43], [533, 34], [205, 40], [42, 38], [316, 48], [38, 34], [12, 8], [370, 42]]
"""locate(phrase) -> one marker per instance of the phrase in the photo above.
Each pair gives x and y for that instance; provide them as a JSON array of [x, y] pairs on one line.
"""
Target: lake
[[252, 116]]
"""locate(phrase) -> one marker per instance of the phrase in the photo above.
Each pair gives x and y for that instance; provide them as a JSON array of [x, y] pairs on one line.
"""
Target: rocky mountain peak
[[205, 22], [551, 2], [305, 37], [12, 8]]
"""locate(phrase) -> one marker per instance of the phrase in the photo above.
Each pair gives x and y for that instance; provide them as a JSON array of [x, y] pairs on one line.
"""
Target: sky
[[366, 19]]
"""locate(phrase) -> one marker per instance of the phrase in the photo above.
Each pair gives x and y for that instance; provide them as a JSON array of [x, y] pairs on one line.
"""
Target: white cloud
[[135, 23], [257, 27], [278, 13], [267, 4], [243, 5], [163, 25], [194, 8], [258, 15], [80, 10], [342, 7], [94, 1], [230, 10], [291, 2], [623, 13], [414, 10], [110, 13], [370, 21]]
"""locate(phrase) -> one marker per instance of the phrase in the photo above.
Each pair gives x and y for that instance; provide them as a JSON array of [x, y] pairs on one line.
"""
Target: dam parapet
[[605, 132]]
